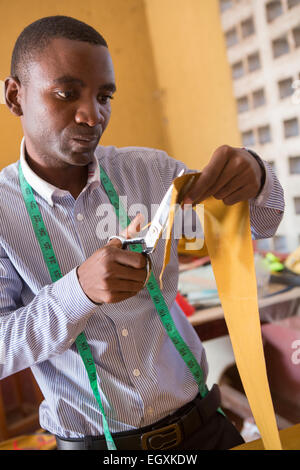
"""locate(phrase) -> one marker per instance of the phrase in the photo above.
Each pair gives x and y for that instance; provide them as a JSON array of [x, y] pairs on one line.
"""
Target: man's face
[[66, 103]]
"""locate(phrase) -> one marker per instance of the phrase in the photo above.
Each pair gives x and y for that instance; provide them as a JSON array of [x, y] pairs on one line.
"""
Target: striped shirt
[[141, 376]]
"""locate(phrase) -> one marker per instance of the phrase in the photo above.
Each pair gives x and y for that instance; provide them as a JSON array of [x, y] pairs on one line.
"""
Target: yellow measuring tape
[[229, 244]]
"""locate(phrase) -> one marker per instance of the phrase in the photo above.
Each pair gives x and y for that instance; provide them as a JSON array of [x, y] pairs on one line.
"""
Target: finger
[[242, 194], [210, 174], [114, 242], [134, 227], [120, 271], [112, 254], [233, 184], [129, 232], [122, 285], [225, 179]]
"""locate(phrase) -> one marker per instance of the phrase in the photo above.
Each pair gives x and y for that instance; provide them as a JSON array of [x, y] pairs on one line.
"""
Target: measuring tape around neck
[[55, 274], [152, 286]]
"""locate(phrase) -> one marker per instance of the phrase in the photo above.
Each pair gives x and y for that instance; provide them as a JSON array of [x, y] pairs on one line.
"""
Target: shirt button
[[136, 372], [79, 217], [124, 332], [150, 410]]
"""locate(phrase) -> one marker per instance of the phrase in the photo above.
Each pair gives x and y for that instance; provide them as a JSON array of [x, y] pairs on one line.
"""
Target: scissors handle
[[128, 241], [135, 241]]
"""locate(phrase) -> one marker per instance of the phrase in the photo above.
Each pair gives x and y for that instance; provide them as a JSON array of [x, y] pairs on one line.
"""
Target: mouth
[[85, 141], [84, 138]]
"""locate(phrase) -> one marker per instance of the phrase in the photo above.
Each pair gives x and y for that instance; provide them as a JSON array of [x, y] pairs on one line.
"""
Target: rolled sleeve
[[271, 194], [267, 209]]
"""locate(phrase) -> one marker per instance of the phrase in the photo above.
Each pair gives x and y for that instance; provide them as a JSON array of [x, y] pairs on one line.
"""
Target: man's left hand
[[232, 175]]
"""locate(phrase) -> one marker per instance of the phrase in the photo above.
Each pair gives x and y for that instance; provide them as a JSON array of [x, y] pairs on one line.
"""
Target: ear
[[13, 95]]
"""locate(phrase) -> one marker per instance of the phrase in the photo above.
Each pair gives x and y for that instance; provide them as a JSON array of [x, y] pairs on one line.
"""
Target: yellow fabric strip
[[229, 245]]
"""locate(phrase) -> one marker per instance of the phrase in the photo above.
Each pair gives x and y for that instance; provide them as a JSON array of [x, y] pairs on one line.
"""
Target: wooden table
[[290, 440], [202, 316], [210, 323], [211, 328]]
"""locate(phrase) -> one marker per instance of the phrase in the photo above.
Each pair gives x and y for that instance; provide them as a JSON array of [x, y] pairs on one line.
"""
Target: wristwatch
[[262, 166]]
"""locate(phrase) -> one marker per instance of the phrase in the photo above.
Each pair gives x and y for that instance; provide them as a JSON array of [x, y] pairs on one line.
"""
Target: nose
[[90, 112]]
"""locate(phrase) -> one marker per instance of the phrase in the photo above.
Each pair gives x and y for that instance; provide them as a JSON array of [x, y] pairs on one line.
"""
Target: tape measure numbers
[[55, 274], [152, 286], [156, 295]]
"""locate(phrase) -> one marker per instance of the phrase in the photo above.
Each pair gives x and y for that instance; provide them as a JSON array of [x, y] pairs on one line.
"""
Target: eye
[[104, 99], [64, 94]]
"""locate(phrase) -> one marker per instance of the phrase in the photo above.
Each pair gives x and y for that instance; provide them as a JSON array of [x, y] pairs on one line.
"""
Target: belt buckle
[[162, 438]]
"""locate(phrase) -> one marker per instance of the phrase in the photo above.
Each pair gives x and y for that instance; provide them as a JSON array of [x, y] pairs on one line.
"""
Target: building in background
[[263, 47]]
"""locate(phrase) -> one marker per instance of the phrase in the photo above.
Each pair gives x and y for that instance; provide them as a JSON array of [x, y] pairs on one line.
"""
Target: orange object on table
[[187, 308]]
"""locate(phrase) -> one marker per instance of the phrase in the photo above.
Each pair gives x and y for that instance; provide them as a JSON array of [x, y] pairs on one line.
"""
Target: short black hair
[[36, 36]]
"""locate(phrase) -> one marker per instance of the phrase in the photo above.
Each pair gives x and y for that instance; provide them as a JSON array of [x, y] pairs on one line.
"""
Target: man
[[61, 84]]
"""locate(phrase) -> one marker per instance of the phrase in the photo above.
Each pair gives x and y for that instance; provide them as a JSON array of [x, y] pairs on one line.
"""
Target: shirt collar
[[47, 190]]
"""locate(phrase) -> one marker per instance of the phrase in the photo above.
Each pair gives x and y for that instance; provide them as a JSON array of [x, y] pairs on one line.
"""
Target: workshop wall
[[194, 77], [173, 80]]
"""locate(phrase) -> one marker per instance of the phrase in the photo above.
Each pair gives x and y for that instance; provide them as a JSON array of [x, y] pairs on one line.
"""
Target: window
[[248, 28], [264, 135], [273, 10], [243, 104], [293, 3], [294, 164], [297, 205], [296, 36], [253, 62], [231, 37], [280, 47], [296, 89], [272, 165], [259, 98], [248, 138], [291, 128], [238, 70], [285, 88], [225, 5]]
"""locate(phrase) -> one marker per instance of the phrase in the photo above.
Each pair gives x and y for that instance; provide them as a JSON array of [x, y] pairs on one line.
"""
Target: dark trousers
[[217, 434], [196, 426]]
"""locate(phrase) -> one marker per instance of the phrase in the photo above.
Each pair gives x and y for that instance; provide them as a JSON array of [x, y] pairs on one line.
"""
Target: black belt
[[168, 433]]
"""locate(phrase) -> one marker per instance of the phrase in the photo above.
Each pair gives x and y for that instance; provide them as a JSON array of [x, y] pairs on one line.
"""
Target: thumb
[[134, 227]]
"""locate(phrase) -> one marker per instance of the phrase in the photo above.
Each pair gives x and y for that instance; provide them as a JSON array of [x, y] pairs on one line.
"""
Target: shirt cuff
[[72, 298], [267, 188]]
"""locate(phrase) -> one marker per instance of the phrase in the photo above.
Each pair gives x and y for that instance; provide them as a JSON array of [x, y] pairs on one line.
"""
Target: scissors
[[156, 228]]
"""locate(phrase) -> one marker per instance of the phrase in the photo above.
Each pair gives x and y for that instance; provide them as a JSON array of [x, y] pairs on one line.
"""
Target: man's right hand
[[111, 274]]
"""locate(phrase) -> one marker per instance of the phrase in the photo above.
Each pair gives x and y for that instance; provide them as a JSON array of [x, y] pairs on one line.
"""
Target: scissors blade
[[160, 220]]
